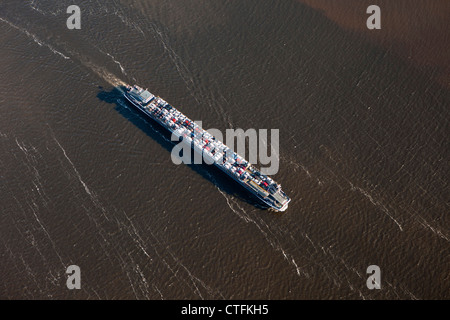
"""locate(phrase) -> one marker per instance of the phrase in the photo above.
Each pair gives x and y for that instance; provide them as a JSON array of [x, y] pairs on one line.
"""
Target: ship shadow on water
[[162, 136]]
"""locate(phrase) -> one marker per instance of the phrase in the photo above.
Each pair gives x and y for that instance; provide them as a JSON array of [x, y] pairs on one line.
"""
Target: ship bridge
[[141, 95]]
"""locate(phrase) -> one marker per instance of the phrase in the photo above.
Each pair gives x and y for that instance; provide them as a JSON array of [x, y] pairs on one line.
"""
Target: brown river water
[[363, 120]]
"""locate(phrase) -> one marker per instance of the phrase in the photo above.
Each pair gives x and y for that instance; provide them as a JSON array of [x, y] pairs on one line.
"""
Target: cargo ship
[[211, 149]]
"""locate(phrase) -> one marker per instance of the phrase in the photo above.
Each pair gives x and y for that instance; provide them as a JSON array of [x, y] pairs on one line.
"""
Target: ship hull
[[200, 152]]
